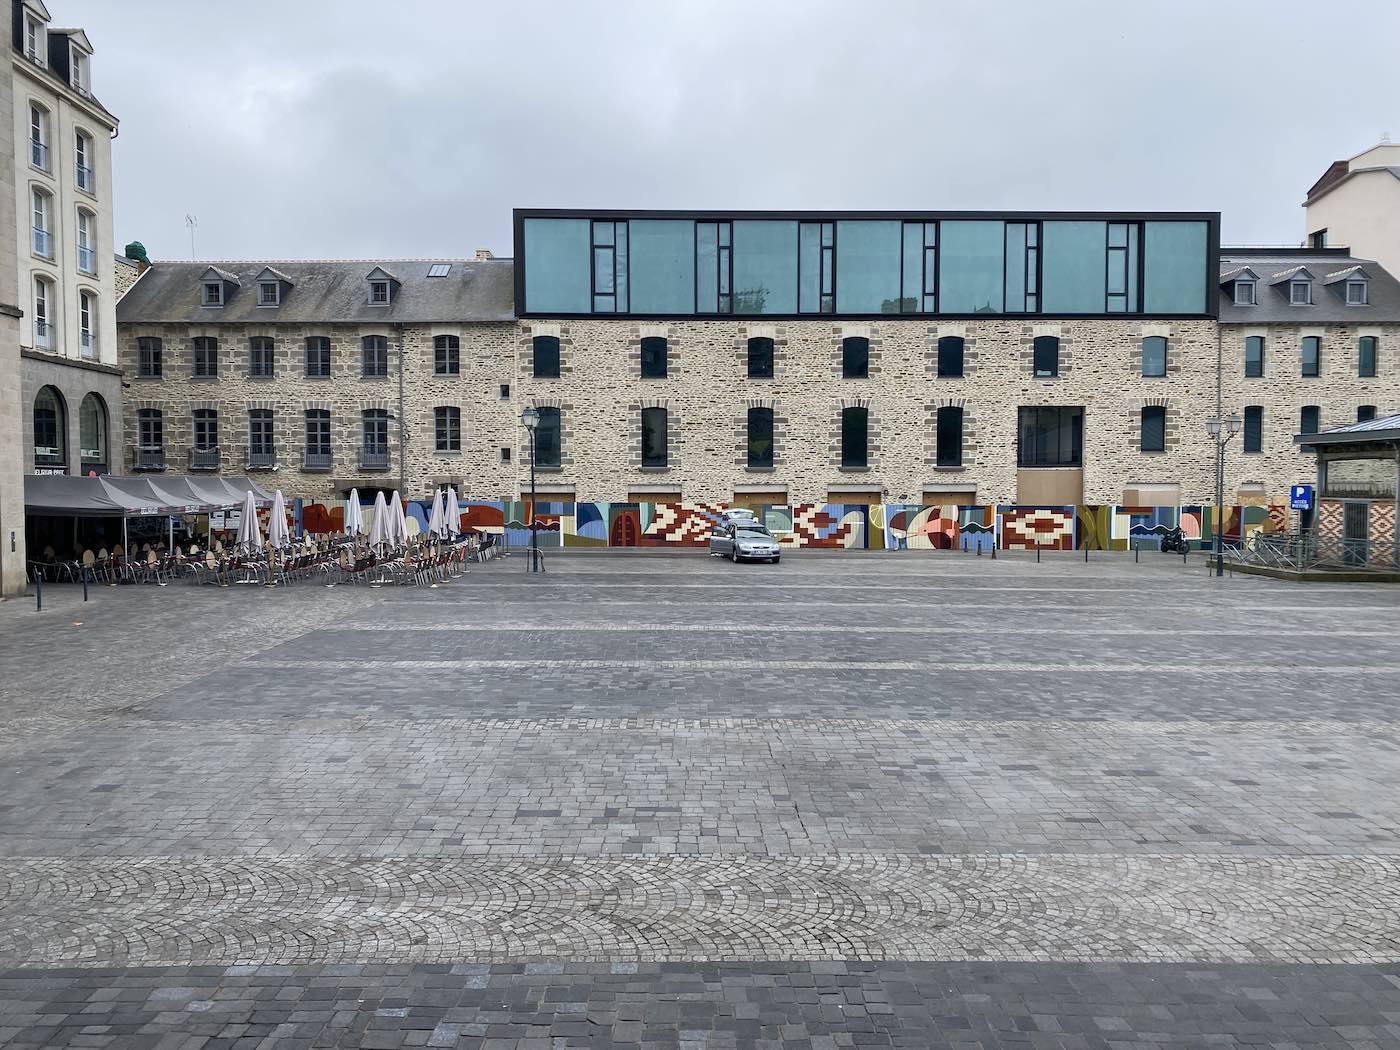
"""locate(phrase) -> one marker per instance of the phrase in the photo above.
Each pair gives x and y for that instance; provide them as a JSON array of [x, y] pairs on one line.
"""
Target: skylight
[[439, 269]]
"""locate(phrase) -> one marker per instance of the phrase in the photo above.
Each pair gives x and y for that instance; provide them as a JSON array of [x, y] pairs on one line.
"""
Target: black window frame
[[1253, 437], [549, 344], [855, 437], [826, 267], [1119, 258], [549, 438], [1365, 413], [1152, 429], [1157, 342], [758, 430], [150, 428], [204, 429], [447, 428], [317, 431], [723, 234], [1041, 347], [1368, 354], [318, 351], [951, 354], [262, 357], [1310, 419], [610, 256], [447, 355], [924, 236], [653, 351], [948, 436], [374, 431], [1313, 343], [1254, 369], [761, 355], [262, 433], [150, 357], [1043, 422], [855, 357], [204, 357], [51, 428], [374, 357], [1027, 259], [655, 428]]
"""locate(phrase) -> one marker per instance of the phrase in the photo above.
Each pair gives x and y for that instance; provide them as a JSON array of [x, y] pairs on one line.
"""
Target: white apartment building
[[1356, 204]]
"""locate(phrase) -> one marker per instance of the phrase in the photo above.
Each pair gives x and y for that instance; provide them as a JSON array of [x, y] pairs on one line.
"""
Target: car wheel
[[775, 561], [734, 555]]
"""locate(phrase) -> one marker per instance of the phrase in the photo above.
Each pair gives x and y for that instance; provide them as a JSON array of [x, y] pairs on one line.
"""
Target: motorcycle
[[1174, 541]]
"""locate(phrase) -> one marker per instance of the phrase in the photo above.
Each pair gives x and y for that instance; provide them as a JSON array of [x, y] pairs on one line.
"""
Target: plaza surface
[[905, 800]]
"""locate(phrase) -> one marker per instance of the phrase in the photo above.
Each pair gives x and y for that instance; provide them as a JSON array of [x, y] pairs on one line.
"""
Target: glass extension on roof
[[654, 264]]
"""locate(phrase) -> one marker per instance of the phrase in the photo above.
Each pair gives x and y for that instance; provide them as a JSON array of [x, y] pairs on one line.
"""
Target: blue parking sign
[[1300, 497]]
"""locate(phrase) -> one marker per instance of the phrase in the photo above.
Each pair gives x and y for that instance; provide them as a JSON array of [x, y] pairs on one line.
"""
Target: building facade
[[63, 195], [12, 446], [776, 358], [1356, 203]]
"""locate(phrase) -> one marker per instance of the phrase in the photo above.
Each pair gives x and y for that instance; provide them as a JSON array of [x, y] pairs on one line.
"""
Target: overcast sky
[[355, 128]]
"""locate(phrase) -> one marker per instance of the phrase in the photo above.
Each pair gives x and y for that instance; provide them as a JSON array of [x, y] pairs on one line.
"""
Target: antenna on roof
[[191, 223]]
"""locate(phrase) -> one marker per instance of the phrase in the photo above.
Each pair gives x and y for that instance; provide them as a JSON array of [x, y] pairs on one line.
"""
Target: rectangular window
[[1050, 436], [213, 293], [760, 362], [86, 256], [867, 258], [545, 356], [661, 266], [1121, 287], [1310, 419], [1300, 293], [505, 391], [1022, 267], [653, 357], [855, 438], [1244, 293], [318, 437], [1154, 356], [548, 439], [1365, 413], [261, 450], [1254, 357], [816, 267], [447, 427], [855, 357], [318, 356], [150, 429], [374, 439], [1356, 293], [949, 437], [971, 267], [82, 157], [1366, 357], [610, 267], [1154, 429], [269, 293], [148, 357], [950, 357], [447, 355], [1254, 428], [206, 429], [765, 267], [919, 269], [261, 363], [1312, 356], [654, 432], [714, 267], [379, 293], [1045, 356], [760, 438], [206, 357], [374, 357]]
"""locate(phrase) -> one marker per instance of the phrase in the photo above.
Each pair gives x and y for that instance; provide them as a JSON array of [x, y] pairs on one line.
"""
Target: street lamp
[[1221, 431], [530, 419]]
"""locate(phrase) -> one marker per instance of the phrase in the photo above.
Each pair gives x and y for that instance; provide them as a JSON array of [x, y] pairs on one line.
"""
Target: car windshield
[[753, 530]]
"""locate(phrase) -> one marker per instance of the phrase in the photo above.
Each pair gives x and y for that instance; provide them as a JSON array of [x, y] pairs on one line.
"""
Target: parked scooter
[[1174, 541]]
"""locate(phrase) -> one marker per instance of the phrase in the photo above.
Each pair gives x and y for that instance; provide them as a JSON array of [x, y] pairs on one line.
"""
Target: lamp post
[[1221, 431], [530, 419]]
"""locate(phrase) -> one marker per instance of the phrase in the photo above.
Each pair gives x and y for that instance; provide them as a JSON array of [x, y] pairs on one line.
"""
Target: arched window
[[948, 448], [92, 434], [43, 314], [760, 438], [1154, 429], [855, 437], [82, 159], [654, 428], [87, 253], [855, 357], [374, 357], [950, 357], [38, 136], [548, 439], [760, 357], [546, 356], [447, 355], [41, 207], [653, 357], [87, 324], [1154, 356], [50, 429], [1045, 354]]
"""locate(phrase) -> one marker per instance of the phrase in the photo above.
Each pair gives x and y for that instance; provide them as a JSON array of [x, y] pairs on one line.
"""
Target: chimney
[[483, 253]]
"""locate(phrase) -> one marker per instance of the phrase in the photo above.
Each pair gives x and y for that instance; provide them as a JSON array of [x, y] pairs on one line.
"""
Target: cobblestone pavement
[[671, 802]]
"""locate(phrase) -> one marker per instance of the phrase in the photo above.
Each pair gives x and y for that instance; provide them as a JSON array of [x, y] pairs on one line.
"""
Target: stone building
[[325, 375]]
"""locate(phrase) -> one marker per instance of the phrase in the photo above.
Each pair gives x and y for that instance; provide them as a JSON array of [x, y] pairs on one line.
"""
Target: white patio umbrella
[[400, 525], [435, 516], [277, 534], [354, 516], [249, 535], [379, 527], [451, 517]]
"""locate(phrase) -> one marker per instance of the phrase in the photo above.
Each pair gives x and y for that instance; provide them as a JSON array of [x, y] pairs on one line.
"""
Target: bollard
[[1086, 555], [1137, 552], [85, 576], [994, 550], [1037, 555], [39, 593], [979, 550], [1184, 548]]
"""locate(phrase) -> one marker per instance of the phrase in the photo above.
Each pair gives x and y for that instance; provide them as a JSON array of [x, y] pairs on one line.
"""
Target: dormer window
[[1356, 293], [381, 286], [78, 70], [1300, 292], [36, 44], [378, 293], [269, 293], [1244, 293], [213, 293]]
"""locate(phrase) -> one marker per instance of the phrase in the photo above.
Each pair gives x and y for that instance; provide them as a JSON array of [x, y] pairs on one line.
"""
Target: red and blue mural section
[[838, 526]]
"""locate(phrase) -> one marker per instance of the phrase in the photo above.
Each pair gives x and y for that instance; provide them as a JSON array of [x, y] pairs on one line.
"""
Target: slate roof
[[474, 291], [1274, 265], [1383, 429]]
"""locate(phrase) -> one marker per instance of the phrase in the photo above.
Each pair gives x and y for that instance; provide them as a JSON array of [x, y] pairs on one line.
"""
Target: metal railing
[[87, 343], [316, 461], [87, 260], [261, 460], [86, 180], [43, 335], [42, 242], [1299, 551], [204, 458], [149, 457], [39, 154], [374, 459]]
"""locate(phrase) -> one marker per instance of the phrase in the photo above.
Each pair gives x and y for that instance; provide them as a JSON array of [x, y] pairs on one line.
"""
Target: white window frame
[[82, 162], [214, 294], [1244, 293], [34, 28], [41, 219], [374, 288], [85, 244], [1356, 283], [43, 302], [1293, 287], [39, 137], [276, 287], [78, 70], [87, 339]]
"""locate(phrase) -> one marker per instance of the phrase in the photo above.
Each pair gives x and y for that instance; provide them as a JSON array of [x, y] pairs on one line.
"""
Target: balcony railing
[[374, 459], [43, 243], [87, 260], [261, 460], [149, 457], [39, 154], [204, 458], [43, 335], [316, 461], [87, 343], [86, 179]]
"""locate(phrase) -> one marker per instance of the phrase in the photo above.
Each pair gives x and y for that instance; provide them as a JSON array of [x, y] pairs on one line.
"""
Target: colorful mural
[[837, 526]]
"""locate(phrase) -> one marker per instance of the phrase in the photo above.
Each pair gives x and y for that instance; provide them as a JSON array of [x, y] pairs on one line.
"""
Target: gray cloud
[[312, 128]]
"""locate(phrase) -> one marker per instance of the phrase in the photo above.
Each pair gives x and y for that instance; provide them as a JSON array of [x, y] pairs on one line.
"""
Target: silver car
[[744, 540]]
